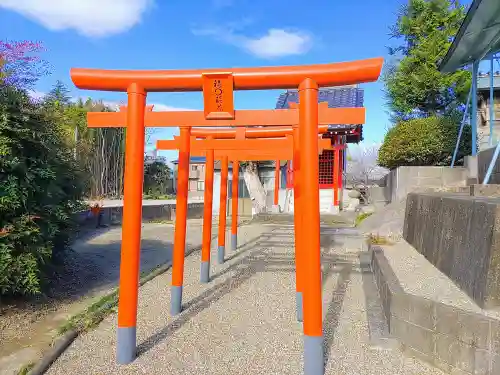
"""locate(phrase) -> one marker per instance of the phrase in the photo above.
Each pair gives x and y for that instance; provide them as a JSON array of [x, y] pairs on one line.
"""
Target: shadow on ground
[[261, 260]]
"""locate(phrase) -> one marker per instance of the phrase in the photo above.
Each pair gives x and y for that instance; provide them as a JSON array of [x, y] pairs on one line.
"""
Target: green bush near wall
[[424, 142]]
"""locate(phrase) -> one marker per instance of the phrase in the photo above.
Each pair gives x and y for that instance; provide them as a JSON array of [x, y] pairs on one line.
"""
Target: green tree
[[156, 177], [99, 152], [59, 95], [414, 86], [39, 191]]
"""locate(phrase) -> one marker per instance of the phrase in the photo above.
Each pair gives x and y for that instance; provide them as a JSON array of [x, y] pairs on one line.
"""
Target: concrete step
[[429, 314], [325, 219]]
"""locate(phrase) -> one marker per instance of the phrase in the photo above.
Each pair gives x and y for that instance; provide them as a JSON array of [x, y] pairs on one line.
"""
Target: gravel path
[[244, 320], [90, 269]]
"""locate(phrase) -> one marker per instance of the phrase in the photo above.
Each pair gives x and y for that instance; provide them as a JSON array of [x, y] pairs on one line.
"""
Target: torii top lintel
[[258, 78]]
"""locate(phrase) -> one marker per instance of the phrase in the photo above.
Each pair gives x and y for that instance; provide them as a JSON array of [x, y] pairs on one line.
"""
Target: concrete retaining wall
[[459, 235], [454, 340], [161, 211], [378, 195], [403, 180], [244, 207]]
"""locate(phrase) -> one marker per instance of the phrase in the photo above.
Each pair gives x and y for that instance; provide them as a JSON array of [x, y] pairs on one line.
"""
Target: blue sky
[[156, 34]]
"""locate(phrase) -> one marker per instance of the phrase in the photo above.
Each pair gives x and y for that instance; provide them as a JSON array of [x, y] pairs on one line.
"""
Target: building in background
[[483, 109], [196, 184], [337, 97]]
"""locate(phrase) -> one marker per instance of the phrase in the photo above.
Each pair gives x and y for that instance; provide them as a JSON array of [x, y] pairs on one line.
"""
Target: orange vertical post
[[341, 172], [298, 224], [131, 230], [234, 205], [276, 207], [180, 221], [222, 210], [309, 210], [207, 217], [336, 169]]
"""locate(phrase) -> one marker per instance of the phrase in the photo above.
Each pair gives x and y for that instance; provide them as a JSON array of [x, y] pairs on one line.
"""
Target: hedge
[[39, 190], [424, 142]]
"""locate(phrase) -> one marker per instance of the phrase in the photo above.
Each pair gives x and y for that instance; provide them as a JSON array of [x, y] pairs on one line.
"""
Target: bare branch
[[363, 168]]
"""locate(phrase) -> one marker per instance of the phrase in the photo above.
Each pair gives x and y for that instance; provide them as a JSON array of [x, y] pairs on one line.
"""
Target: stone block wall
[[459, 235], [161, 211], [452, 339], [403, 180], [195, 211]]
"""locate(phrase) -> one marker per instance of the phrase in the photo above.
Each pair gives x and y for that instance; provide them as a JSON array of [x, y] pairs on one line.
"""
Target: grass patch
[[160, 221], [92, 315], [376, 239], [95, 313], [25, 369], [159, 196], [333, 220], [361, 217]]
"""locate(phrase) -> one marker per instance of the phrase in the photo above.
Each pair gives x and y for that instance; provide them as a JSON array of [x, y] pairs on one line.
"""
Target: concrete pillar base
[[125, 345], [234, 241], [472, 167], [276, 209], [176, 300], [205, 272], [299, 306], [313, 355], [335, 210], [221, 254]]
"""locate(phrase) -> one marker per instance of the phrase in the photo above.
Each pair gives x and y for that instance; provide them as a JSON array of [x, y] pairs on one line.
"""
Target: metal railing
[[473, 96]]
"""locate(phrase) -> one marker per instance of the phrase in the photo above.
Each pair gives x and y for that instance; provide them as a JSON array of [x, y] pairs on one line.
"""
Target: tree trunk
[[254, 187]]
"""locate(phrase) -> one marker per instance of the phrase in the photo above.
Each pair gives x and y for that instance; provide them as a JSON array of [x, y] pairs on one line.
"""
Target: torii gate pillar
[[132, 223], [309, 210]]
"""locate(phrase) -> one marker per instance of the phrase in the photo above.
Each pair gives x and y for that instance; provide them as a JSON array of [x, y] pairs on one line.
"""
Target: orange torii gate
[[158, 119], [218, 86], [236, 151], [256, 118], [344, 115]]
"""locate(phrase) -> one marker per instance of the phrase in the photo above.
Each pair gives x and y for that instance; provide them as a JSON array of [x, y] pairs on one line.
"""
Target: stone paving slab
[[244, 320]]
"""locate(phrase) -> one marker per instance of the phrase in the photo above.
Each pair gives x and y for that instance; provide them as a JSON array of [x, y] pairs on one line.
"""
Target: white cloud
[[94, 18], [275, 43], [278, 42]]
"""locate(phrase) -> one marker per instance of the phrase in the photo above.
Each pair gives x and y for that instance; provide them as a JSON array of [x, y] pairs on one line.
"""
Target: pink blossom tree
[[20, 63]]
